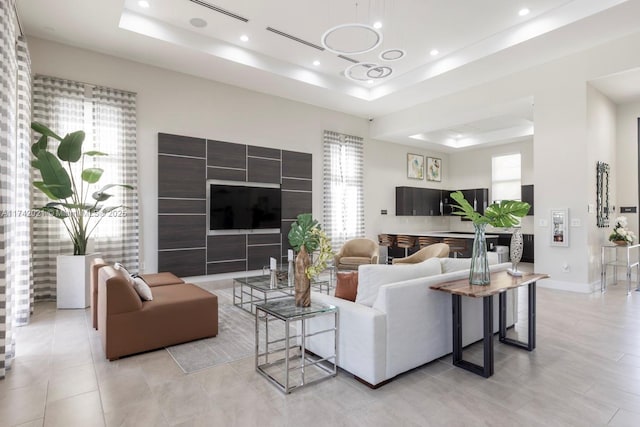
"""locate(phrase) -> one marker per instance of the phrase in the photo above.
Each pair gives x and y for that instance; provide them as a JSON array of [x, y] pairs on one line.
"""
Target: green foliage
[[307, 232], [504, 214], [68, 192], [301, 233]]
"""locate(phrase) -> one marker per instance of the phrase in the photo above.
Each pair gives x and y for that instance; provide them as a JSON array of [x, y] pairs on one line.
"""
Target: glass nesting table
[[282, 356], [630, 260], [249, 291]]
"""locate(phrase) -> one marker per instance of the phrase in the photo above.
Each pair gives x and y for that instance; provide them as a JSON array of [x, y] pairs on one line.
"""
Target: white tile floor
[[584, 372]]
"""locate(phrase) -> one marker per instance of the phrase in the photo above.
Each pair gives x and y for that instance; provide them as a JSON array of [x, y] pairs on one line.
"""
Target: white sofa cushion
[[449, 265], [371, 277]]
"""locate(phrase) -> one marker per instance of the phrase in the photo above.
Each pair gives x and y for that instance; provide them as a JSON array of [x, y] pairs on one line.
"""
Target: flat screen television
[[243, 207]]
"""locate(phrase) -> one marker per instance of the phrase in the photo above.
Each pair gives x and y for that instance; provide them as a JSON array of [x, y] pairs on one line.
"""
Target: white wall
[[176, 103], [472, 169], [626, 169], [601, 136]]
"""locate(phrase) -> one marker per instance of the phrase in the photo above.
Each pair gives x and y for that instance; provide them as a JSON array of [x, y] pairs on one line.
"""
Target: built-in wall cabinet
[[416, 201], [527, 196]]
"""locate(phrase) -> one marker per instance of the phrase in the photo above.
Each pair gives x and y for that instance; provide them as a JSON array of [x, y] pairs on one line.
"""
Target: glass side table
[[283, 358], [630, 260]]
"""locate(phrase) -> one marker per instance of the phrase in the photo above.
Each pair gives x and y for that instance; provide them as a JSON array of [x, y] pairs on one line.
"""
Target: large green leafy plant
[[70, 191], [307, 233], [506, 213]]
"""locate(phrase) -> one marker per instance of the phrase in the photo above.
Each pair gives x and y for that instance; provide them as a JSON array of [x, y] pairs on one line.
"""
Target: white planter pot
[[73, 281]]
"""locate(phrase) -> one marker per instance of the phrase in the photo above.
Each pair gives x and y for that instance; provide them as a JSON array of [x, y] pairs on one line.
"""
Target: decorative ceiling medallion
[[365, 71], [351, 39], [392, 54], [379, 72]]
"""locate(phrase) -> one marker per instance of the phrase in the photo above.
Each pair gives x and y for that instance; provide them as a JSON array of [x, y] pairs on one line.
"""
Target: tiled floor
[[584, 372]]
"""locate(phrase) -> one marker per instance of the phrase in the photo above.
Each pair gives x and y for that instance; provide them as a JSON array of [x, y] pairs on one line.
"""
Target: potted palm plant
[[506, 214], [72, 201]]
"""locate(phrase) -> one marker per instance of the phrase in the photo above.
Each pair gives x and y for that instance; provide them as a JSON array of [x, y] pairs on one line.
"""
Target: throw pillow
[[124, 271], [347, 285], [143, 290], [371, 277]]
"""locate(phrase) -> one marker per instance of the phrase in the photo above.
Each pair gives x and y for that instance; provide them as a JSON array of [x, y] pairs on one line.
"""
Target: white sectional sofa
[[397, 323]]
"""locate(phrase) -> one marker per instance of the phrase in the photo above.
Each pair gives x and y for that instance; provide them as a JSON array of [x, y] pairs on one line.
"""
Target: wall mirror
[[602, 194]]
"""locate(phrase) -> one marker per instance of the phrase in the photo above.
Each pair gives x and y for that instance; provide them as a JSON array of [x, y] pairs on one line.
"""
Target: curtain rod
[[85, 84]]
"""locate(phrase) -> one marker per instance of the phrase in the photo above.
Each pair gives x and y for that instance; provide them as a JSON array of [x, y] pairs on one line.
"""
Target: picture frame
[[434, 169], [560, 227], [415, 166]]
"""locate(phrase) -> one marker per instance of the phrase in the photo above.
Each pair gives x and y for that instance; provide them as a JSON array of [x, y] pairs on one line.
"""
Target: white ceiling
[[463, 31]]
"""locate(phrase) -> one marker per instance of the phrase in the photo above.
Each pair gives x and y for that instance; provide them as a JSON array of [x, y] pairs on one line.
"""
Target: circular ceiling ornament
[[392, 54], [366, 71], [379, 72], [351, 39]]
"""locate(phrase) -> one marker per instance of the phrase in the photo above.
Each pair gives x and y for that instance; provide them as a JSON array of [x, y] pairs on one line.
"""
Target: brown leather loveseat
[[152, 279], [127, 325]]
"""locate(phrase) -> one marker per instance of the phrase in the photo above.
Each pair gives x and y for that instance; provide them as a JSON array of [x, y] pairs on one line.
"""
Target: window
[[343, 209], [506, 177]]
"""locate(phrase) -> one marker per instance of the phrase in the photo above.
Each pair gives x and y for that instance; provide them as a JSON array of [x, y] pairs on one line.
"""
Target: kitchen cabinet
[[527, 248], [478, 198], [415, 201], [527, 196]]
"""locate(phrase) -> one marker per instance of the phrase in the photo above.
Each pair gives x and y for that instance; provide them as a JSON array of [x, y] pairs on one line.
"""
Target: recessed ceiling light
[[434, 52], [198, 22], [370, 82], [377, 25], [316, 62], [144, 4], [244, 38], [523, 12]]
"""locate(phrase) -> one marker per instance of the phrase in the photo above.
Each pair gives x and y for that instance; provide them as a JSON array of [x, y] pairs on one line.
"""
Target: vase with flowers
[[306, 236], [620, 235]]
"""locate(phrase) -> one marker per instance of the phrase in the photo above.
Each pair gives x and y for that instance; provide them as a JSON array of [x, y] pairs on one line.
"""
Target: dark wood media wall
[[184, 165]]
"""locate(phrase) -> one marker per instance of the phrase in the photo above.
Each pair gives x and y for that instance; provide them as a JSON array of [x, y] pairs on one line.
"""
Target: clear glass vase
[[479, 273]]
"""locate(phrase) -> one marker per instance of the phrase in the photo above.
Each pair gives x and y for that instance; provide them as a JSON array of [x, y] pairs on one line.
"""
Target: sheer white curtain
[[343, 188], [108, 117], [15, 104]]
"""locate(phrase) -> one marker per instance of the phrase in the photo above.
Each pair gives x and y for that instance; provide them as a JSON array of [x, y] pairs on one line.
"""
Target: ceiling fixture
[[434, 52], [144, 4], [198, 22], [316, 62], [294, 38], [244, 38], [351, 39], [523, 12], [377, 25], [367, 72], [392, 54]]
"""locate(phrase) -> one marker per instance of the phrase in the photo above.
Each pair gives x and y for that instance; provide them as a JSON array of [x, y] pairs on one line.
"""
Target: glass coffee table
[[249, 291], [281, 356]]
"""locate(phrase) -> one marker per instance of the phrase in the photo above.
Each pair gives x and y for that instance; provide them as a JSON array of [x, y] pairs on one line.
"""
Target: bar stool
[[405, 242], [456, 245], [385, 241], [424, 241]]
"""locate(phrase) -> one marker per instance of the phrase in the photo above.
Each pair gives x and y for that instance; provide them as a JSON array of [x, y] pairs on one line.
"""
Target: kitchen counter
[[443, 234]]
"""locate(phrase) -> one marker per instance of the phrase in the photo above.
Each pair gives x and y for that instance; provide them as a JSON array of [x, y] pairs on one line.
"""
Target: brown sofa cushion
[[347, 285]]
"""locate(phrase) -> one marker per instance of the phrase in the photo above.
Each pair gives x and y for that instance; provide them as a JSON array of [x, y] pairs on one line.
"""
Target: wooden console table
[[500, 282]]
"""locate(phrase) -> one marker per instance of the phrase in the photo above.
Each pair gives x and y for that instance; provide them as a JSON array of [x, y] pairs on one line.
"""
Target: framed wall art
[[415, 166], [434, 169], [559, 227]]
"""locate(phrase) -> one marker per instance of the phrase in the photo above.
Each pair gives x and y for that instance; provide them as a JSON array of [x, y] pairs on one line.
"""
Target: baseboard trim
[[583, 288]]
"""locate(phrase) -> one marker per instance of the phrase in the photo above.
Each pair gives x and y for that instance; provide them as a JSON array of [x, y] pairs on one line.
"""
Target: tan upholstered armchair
[[439, 250], [356, 252]]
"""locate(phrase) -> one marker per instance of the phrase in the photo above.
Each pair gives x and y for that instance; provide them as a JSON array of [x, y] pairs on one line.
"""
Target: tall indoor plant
[[506, 213], [305, 237], [68, 185], [69, 191]]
